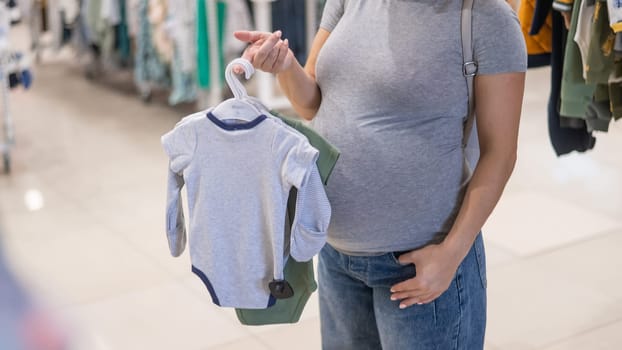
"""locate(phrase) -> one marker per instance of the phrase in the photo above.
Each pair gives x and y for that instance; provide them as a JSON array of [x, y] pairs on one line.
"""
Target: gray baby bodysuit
[[238, 178]]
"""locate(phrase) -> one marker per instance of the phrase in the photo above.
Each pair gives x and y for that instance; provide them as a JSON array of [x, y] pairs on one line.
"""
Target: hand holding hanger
[[266, 51]]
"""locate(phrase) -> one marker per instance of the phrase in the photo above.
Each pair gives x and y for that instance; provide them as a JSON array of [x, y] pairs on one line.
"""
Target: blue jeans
[[356, 311]]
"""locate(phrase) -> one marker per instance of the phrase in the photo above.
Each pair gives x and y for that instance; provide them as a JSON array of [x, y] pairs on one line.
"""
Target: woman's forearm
[[483, 192], [498, 108], [301, 89]]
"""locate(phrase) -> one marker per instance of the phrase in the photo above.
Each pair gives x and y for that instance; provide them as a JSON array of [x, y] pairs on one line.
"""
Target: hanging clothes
[[148, 67], [122, 35], [181, 27], [61, 16], [203, 42], [289, 17], [536, 27], [132, 8], [576, 94], [591, 84], [239, 249], [160, 36], [564, 139], [183, 84], [599, 61], [583, 34], [614, 8], [238, 18]]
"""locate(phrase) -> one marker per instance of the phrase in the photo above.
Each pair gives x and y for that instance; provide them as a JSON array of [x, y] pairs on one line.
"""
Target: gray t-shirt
[[393, 102]]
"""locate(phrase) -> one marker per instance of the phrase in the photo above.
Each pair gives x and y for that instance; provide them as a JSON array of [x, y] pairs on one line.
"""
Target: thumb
[[408, 258]]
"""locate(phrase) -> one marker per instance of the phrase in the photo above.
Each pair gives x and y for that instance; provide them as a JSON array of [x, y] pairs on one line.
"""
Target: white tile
[[496, 255], [82, 266], [583, 179], [250, 343], [595, 263], [589, 180], [604, 338], [58, 216], [532, 302], [488, 346], [529, 222], [165, 317], [305, 334]]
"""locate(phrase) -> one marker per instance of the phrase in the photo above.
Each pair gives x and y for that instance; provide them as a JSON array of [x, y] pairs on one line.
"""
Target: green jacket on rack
[[576, 94], [591, 89]]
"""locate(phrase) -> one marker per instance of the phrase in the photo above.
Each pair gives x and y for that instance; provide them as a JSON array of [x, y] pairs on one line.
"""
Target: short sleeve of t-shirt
[[179, 145], [333, 10], [298, 156], [498, 43]]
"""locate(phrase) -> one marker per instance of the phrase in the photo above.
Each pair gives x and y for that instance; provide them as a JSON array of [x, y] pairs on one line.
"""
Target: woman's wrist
[[457, 245]]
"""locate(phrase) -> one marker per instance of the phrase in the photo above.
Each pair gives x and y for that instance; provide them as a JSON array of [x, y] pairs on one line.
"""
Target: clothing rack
[[585, 56], [265, 82]]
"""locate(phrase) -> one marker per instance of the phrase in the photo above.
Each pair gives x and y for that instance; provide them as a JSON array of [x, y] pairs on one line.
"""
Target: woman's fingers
[[250, 36], [271, 61], [266, 49], [418, 300], [283, 51]]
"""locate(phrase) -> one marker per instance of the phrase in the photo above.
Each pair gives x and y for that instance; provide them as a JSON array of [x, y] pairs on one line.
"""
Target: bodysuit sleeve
[[179, 145], [310, 222], [312, 217]]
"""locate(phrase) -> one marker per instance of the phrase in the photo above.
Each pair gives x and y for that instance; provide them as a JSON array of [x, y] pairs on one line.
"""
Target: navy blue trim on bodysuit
[[271, 301], [207, 283], [212, 292], [238, 126]]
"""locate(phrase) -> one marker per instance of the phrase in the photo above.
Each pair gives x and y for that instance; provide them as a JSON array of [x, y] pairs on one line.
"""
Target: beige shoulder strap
[[469, 68]]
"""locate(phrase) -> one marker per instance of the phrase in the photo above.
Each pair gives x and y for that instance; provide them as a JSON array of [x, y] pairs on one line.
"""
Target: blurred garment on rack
[[289, 16], [576, 93], [160, 36], [148, 69], [61, 17], [238, 18], [535, 21], [614, 8], [15, 13], [181, 27], [563, 139], [204, 46]]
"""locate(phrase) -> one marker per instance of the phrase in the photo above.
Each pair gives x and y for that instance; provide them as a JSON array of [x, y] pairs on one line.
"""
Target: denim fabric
[[356, 311]]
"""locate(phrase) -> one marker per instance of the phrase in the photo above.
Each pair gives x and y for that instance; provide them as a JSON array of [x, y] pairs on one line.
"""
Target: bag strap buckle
[[469, 69]]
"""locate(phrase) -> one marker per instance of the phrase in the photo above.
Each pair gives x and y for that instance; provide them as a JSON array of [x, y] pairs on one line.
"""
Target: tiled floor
[[82, 215]]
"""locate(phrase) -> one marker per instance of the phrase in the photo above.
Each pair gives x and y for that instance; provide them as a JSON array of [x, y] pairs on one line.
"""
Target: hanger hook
[[234, 83]]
